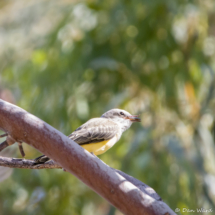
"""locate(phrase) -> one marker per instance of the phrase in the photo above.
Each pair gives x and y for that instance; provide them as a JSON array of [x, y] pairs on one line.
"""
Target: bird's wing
[[95, 130]]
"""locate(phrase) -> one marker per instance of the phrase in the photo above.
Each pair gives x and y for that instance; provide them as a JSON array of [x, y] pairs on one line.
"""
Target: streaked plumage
[[95, 130]]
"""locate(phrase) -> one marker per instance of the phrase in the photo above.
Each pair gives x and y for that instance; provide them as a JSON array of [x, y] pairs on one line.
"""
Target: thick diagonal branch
[[29, 164], [115, 188]]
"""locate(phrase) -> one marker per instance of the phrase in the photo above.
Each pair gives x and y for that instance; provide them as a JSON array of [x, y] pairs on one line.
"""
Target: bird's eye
[[121, 113]]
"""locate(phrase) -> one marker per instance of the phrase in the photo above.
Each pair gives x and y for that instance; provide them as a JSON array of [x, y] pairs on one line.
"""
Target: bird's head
[[122, 117]]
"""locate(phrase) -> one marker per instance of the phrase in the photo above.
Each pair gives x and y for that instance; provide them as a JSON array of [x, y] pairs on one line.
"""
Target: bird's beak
[[134, 118]]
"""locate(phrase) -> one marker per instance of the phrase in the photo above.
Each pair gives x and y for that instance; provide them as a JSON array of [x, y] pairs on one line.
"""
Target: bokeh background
[[68, 61]]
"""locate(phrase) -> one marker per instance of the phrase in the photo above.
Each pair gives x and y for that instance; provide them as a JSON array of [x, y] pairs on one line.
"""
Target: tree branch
[[26, 164], [3, 145], [3, 135], [29, 164], [110, 184]]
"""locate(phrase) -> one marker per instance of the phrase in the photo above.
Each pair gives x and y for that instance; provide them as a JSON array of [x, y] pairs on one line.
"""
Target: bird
[[98, 135]]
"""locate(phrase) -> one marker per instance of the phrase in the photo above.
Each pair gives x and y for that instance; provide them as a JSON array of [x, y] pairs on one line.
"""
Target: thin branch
[[26, 164], [21, 150], [111, 185], [3, 145], [9, 141], [3, 135]]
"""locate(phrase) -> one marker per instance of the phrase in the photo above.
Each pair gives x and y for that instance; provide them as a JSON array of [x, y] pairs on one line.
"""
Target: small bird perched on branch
[[99, 134]]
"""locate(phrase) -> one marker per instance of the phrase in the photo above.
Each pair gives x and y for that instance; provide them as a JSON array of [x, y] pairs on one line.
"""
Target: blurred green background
[[68, 61]]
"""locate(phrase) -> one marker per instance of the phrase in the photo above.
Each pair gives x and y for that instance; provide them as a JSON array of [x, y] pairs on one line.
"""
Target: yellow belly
[[101, 147]]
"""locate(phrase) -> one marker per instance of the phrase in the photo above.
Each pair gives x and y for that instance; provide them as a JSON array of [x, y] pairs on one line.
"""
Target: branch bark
[[29, 164], [26, 164], [114, 185], [3, 145]]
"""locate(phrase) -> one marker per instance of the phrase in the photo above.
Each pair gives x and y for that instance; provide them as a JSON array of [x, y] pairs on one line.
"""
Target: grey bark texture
[[129, 195]]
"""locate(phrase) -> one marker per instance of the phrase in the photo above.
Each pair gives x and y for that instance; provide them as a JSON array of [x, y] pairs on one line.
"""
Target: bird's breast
[[101, 147]]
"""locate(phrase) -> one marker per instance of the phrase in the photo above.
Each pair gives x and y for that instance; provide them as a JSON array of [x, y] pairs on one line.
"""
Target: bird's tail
[[41, 160]]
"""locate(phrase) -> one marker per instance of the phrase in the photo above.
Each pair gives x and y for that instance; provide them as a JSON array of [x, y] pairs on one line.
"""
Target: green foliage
[[66, 63]]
